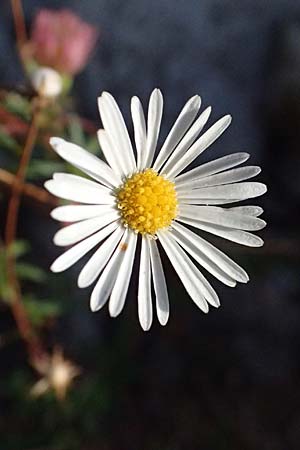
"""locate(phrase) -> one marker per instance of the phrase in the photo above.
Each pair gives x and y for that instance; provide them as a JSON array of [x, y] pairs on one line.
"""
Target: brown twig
[[35, 193], [20, 28], [34, 346], [18, 15]]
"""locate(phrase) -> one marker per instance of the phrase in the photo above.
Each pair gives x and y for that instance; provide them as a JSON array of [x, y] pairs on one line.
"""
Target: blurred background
[[73, 380]]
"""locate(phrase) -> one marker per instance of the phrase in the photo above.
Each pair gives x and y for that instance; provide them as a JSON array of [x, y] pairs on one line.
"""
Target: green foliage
[[8, 142], [17, 104], [67, 83], [92, 145], [40, 168], [19, 248], [31, 272], [44, 423], [75, 131], [76, 134], [40, 310]]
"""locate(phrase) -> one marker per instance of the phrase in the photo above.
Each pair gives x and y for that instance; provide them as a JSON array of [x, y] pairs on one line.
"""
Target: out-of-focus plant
[[59, 46], [61, 40], [58, 373]]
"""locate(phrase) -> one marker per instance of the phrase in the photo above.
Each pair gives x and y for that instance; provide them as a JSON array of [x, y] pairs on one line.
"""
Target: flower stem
[[32, 192], [20, 28], [34, 346]]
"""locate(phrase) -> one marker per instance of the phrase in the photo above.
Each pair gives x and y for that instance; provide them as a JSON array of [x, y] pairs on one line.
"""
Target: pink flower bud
[[60, 39]]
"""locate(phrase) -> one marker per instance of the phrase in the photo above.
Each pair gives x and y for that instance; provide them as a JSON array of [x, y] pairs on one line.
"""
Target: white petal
[[78, 231], [144, 289], [160, 286], [205, 287], [97, 262], [255, 211], [112, 136], [79, 189], [85, 161], [208, 202], [114, 125], [183, 122], [238, 236], [200, 145], [73, 255], [79, 181], [119, 292], [155, 110], [205, 261], [107, 279], [186, 270], [139, 125], [221, 216], [233, 192], [192, 243], [230, 176], [111, 155], [187, 141], [74, 213], [212, 167]]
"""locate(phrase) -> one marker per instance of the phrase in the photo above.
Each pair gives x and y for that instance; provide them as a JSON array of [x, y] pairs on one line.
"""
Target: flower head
[[61, 40], [137, 196]]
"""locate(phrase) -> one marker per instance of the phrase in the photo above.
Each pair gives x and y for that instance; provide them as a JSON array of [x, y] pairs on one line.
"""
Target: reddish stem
[[24, 325], [20, 28]]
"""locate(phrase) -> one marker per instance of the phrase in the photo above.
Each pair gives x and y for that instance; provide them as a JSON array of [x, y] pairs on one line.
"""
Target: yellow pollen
[[147, 202]]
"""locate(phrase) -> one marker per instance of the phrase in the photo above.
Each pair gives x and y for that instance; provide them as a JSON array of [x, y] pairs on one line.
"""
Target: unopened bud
[[47, 82]]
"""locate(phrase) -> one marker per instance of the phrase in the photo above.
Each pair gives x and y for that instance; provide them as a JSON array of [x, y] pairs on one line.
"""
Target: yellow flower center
[[147, 202]]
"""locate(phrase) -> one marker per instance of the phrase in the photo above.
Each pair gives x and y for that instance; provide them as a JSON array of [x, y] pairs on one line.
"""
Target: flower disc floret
[[147, 202]]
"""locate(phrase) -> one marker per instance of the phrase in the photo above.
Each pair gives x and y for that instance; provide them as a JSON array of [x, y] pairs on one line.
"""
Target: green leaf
[[8, 142], [75, 131], [92, 145], [19, 248], [19, 105], [42, 169], [40, 310], [67, 83], [31, 272]]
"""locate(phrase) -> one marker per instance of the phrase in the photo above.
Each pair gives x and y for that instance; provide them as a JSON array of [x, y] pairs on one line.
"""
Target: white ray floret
[[97, 262], [155, 110], [115, 126], [71, 234], [144, 288], [75, 213], [140, 131], [126, 201], [212, 167], [230, 176], [160, 285], [71, 256], [187, 140], [200, 145], [119, 291], [105, 284], [111, 156], [229, 192], [85, 161], [74, 188], [182, 124]]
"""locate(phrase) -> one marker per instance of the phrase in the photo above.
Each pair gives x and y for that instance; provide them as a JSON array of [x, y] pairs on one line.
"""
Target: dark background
[[227, 380]]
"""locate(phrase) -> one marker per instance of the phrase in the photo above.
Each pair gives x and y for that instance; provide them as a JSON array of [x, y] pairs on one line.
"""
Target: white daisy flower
[[137, 196]]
